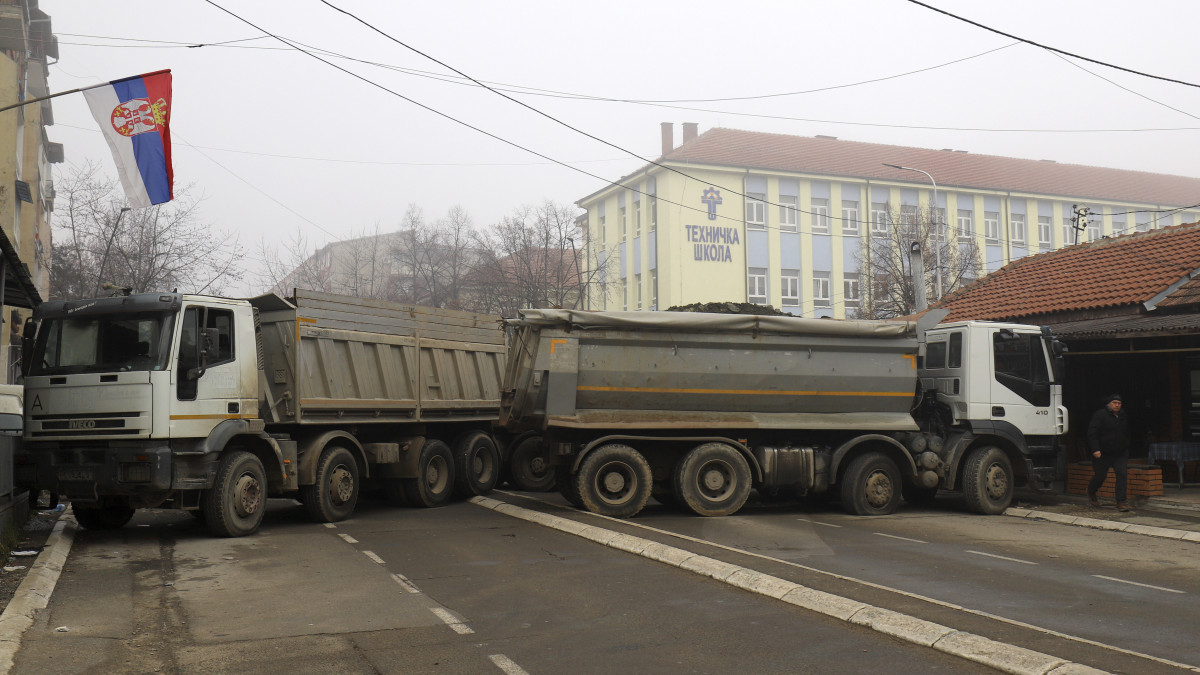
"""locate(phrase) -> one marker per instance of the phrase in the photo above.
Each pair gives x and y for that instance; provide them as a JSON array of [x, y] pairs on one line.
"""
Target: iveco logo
[[82, 424]]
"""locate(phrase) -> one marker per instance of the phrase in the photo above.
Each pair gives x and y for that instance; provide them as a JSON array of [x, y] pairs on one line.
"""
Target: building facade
[[739, 216]]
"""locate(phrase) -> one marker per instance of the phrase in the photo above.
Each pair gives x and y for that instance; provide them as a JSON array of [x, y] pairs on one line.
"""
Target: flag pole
[[76, 91]]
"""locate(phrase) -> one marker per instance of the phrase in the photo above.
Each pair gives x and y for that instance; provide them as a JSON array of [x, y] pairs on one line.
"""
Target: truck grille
[[91, 424]]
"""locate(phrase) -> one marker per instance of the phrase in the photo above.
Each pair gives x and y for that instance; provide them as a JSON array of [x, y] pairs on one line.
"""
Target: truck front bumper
[[91, 472]]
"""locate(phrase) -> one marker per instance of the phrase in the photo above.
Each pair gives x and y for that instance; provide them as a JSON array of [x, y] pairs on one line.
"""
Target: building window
[[820, 215], [1070, 236], [623, 224], [637, 281], [603, 232], [1118, 224], [1045, 231], [991, 226], [637, 219], [653, 290], [653, 213], [851, 289], [965, 227], [850, 217], [789, 287], [756, 286], [624, 297], [1143, 222], [756, 210], [788, 218], [908, 214], [821, 289], [1016, 226], [1093, 226], [1189, 217], [879, 219]]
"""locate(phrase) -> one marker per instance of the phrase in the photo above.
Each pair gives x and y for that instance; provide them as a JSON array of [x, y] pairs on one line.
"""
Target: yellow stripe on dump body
[[755, 392]]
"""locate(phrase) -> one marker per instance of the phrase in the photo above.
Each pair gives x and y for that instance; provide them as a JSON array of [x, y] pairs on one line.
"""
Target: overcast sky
[[279, 143]]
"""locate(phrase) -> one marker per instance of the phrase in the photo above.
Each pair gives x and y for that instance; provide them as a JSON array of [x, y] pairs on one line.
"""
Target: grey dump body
[[330, 359], [573, 369]]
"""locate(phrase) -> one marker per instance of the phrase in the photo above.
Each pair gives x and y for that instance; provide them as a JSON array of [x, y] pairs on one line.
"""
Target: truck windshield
[[103, 343]]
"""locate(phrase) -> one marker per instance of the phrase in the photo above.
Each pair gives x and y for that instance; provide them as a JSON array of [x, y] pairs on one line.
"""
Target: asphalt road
[[466, 589]]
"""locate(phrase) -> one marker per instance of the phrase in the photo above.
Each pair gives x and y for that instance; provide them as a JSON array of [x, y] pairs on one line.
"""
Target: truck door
[[1021, 393], [207, 380]]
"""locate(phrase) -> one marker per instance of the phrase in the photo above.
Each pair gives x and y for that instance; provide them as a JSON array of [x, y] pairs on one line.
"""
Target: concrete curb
[[976, 648], [35, 589], [1100, 524]]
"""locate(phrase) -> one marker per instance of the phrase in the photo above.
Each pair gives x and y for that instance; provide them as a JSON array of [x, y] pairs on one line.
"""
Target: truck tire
[[871, 485], [614, 480], [988, 481], [107, 516], [476, 464], [712, 479], [529, 466], [235, 504], [435, 483], [568, 487], [334, 494]]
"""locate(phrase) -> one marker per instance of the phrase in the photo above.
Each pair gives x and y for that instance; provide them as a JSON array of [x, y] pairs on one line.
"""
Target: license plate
[[75, 474]]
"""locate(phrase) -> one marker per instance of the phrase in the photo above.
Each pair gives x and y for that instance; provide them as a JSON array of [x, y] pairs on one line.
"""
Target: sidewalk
[[1174, 515]]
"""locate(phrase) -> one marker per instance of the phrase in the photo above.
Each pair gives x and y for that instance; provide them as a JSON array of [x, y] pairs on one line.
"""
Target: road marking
[[507, 665], [405, 583], [1136, 583], [817, 522], [348, 538], [331, 526], [893, 536], [1003, 557], [863, 582], [451, 621], [372, 556]]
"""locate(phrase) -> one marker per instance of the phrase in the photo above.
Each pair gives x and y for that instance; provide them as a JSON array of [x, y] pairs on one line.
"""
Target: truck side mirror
[[28, 332], [208, 343]]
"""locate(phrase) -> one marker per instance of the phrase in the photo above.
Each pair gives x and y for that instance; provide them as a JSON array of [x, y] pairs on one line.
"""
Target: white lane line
[[1135, 583], [507, 665], [892, 536], [372, 556], [331, 526], [452, 621], [862, 582], [348, 538], [817, 522], [1003, 557], [405, 583]]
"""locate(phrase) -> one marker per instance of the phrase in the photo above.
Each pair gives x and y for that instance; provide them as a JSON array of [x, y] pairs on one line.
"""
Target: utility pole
[[1081, 219], [935, 212]]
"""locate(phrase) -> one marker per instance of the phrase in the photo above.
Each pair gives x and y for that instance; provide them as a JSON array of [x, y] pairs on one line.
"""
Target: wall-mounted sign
[[711, 197], [711, 243]]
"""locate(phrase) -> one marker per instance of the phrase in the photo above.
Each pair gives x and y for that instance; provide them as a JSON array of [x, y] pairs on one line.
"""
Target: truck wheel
[[712, 479], [988, 481], [871, 485], [568, 487], [530, 466], [476, 464], [108, 516], [436, 481], [235, 505], [614, 480], [334, 494]]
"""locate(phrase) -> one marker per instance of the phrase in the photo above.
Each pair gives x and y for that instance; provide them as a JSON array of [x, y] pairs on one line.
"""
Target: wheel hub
[[537, 465], [996, 482], [247, 496], [614, 482], [714, 480], [341, 485], [879, 489]]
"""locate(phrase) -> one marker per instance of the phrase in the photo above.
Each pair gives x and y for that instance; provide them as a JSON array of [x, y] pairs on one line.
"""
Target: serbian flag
[[135, 115]]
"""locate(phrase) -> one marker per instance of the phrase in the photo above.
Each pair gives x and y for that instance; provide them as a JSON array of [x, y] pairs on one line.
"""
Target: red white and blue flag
[[134, 114]]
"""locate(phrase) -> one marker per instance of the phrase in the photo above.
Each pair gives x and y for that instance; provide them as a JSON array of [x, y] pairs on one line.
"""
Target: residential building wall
[[692, 255]]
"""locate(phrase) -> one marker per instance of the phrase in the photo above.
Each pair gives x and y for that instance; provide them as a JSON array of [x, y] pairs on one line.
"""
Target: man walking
[[1108, 439]]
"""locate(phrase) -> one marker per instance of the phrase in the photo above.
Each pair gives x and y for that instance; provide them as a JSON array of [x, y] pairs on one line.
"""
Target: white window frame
[[653, 290], [637, 281], [789, 288], [653, 213], [756, 286], [624, 224], [850, 218], [789, 213], [909, 213], [756, 210], [991, 226], [879, 219], [637, 219], [852, 291], [1016, 227], [1118, 226], [1045, 231], [821, 290], [820, 215], [603, 233], [966, 222]]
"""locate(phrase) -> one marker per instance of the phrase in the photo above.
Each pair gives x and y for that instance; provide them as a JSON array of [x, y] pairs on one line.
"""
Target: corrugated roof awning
[[19, 289], [1129, 326]]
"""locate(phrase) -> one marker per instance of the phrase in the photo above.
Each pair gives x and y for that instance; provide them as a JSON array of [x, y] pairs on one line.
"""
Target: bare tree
[[885, 267], [430, 261], [157, 248]]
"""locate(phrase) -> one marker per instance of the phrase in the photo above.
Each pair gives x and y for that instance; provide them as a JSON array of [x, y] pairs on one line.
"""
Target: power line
[[1124, 88], [1052, 49]]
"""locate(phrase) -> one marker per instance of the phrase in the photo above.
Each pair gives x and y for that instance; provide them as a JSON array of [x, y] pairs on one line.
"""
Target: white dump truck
[[212, 405], [699, 409]]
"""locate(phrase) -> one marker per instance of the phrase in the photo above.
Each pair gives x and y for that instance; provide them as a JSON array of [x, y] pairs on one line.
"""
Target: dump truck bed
[[660, 370], [333, 359]]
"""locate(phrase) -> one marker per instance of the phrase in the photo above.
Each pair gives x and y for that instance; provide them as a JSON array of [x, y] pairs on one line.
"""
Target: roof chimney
[[689, 131], [668, 137]]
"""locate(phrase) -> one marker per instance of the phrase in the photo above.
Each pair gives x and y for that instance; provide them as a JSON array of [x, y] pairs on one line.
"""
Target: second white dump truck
[[213, 404], [701, 408]]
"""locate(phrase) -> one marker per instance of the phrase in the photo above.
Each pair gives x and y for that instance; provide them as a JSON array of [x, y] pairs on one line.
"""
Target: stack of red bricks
[[1144, 481]]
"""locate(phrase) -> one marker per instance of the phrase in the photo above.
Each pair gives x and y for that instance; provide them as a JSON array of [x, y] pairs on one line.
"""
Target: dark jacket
[[1108, 432]]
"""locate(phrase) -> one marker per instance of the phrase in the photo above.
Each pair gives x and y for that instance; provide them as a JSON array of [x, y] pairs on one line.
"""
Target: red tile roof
[[951, 169], [1110, 273]]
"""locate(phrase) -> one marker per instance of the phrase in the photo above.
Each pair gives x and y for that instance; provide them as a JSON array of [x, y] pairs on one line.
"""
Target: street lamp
[[937, 231]]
